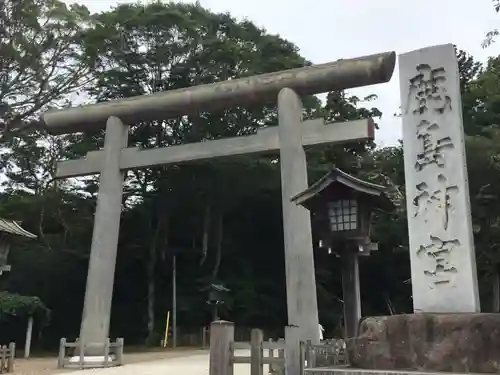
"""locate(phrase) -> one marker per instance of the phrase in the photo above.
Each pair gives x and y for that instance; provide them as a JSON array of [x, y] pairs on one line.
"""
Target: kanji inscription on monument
[[443, 263]]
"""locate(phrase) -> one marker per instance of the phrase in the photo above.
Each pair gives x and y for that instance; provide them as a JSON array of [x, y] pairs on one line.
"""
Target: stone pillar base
[[90, 355], [93, 360], [465, 342]]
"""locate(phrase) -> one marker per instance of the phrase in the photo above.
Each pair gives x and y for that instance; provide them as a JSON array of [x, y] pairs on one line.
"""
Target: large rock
[[432, 342]]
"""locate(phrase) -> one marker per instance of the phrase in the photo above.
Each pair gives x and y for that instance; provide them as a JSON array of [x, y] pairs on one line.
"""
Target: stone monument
[[443, 262], [446, 331]]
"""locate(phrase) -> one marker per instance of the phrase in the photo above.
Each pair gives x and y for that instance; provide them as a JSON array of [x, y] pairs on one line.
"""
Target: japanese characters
[[427, 89], [431, 145], [428, 100]]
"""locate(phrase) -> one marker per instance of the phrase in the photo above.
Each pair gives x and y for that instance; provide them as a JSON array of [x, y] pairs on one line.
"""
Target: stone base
[[93, 361], [428, 342]]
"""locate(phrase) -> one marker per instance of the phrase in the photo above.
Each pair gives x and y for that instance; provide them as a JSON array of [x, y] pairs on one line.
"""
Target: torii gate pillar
[[100, 277], [301, 298]]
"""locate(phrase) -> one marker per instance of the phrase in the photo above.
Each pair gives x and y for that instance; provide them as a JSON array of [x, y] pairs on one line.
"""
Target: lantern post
[[342, 207]]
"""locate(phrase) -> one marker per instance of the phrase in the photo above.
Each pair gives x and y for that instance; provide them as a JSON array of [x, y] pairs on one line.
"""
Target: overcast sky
[[326, 30]]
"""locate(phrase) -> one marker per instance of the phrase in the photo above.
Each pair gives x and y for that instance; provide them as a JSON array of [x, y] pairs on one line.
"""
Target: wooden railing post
[[272, 367], [119, 350], [310, 354], [302, 356], [221, 352], [256, 352], [81, 352], [281, 354], [12, 355], [205, 332], [3, 354], [292, 351], [106, 352], [62, 353]]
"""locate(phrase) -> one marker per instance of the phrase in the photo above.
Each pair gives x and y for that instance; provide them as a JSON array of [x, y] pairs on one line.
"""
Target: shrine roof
[[337, 176], [219, 288], [13, 227], [216, 287]]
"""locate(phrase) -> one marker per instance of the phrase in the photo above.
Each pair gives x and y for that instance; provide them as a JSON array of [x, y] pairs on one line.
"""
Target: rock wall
[[430, 342]]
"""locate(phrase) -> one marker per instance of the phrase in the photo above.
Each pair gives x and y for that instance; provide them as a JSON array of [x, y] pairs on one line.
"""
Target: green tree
[[42, 64], [491, 35], [481, 121], [41, 59]]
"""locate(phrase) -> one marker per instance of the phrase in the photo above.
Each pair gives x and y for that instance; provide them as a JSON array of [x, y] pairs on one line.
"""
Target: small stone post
[[62, 353], [221, 351], [292, 351]]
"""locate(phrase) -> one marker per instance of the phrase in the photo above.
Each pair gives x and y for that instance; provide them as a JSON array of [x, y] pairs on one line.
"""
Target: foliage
[[41, 59], [491, 35], [17, 305], [42, 64]]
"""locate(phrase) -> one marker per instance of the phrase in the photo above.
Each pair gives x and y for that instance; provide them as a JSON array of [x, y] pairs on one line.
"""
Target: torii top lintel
[[264, 88]]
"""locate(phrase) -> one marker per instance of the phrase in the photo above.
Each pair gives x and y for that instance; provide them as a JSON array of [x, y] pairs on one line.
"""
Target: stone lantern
[[342, 207], [9, 229], [216, 297]]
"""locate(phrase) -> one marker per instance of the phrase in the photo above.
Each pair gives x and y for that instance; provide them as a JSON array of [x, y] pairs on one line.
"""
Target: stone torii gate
[[289, 137]]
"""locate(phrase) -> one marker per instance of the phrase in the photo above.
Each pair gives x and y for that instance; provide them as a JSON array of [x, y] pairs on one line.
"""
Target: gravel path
[[193, 364], [48, 365], [165, 363]]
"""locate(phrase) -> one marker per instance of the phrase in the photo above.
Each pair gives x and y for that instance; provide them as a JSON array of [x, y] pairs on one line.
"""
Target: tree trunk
[[389, 304], [219, 238], [206, 229], [151, 293], [151, 267], [496, 290]]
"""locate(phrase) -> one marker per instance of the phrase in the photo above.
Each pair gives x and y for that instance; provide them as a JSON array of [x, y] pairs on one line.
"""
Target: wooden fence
[[289, 353], [7, 356], [112, 354], [241, 334], [328, 353], [257, 359]]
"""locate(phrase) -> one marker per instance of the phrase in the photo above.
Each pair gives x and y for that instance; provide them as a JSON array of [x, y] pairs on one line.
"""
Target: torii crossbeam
[[314, 132], [289, 137]]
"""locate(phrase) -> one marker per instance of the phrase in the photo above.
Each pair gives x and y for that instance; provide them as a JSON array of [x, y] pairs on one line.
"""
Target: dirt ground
[[48, 365]]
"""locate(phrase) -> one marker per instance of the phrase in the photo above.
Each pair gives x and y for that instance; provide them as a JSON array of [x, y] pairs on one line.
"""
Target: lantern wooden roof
[[216, 287], [14, 228], [338, 179]]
